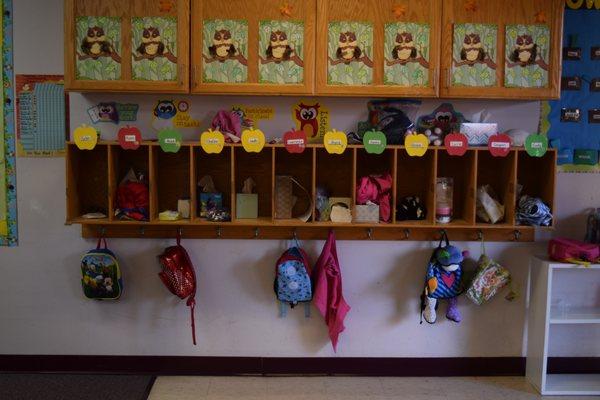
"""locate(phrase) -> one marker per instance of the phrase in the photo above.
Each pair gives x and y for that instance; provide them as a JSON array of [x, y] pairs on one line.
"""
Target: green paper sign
[[169, 140], [374, 142], [536, 145]]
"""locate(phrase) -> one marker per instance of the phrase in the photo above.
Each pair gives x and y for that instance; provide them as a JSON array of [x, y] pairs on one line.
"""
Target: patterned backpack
[[101, 275], [293, 280]]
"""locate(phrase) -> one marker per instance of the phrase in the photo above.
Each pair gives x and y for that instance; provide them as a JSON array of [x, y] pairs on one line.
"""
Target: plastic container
[[444, 190]]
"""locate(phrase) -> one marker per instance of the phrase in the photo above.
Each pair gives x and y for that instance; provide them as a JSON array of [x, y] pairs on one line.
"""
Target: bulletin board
[[578, 142], [8, 182]]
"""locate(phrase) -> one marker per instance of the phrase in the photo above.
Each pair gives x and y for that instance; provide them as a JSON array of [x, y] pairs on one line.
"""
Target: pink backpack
[[573, 251]]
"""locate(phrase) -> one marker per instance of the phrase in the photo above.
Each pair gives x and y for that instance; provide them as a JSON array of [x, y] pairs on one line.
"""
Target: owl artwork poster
[[474, 55], [154, 49], [281, 52], [225, 51], [406, 54], [311, 117], [350, 53], [527, 51], [98, 48]]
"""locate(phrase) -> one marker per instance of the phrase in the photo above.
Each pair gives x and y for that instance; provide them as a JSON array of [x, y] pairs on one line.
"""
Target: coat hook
[[256, 232], [517, 235], [102, 231], [142, 230], [480, 235], [180, 231], [443, 233], [370, 233], [219, 232], [406, 233]]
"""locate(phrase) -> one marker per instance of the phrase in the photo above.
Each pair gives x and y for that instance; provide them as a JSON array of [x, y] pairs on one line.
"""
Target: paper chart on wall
[[41, 117], [8, 189]]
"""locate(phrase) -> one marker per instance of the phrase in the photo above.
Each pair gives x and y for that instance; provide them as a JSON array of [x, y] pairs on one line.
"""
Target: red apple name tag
[[129, 138], [294, 141], [456, 144], [499, 145]]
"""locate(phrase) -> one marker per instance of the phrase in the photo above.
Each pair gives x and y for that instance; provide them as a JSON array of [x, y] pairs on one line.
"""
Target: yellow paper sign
[[85, 137], [212, 141], [253, 140], [416, 145], [253, 113], [335, 142], [183, 119]]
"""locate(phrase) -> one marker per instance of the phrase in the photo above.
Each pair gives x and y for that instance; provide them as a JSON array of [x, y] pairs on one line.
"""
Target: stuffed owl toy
[[443, 281]]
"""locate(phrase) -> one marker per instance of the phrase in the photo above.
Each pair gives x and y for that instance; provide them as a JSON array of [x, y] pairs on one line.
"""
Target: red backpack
[[573, 251], [179, 277]]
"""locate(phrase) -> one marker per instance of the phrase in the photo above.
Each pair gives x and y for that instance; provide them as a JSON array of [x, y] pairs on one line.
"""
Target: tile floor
[[344, 388]]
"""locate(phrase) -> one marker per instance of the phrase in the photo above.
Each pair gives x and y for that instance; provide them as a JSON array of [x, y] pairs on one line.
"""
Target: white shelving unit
[[542, 315]]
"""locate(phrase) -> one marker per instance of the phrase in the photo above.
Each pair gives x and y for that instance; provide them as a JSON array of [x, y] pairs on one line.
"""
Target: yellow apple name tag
[[253, 140], [416, 145], [85, 137], [335, 142], [212, 141]]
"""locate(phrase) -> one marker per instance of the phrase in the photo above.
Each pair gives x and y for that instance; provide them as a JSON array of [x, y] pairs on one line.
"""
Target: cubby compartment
[[172, 179], [259, 167], [463, 172], [219, 167], [376, 164], [415, 176], [300, 167], [536, 175], [122, 161], [334, 173], [87, 181], [500, 174]]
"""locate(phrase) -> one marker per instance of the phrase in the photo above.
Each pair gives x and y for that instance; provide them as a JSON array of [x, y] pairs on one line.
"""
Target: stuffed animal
[[443, 281]]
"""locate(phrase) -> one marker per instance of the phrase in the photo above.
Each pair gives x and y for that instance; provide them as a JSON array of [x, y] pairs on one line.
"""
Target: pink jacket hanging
[[377, 189], [328, 297]]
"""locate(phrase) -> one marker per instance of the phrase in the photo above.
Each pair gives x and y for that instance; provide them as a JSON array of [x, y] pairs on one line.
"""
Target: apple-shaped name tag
[[456, 144], [129, 137], [335, 142], [294, 141], [499, 145], [169, 140], [416, 145], [536, 145], [253, 140], [212, 141], [85, 137], [374, 142]]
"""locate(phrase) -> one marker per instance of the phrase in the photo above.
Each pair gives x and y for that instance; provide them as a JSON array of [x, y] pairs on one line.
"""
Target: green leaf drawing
[[411, 73], [103, 68], [479, 74], [158, 68], [231, 70], [282, 72], [355, 72], [531, 75]]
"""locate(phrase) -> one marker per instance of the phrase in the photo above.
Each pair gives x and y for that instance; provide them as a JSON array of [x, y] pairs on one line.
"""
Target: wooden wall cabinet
[[486, 49], [378, 47], [175, 176], [253, 46], [133, 46]]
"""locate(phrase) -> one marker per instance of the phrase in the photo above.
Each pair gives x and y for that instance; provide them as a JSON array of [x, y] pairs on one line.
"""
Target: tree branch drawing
[[238, 57], [486, 61], [364, 59], [294, 58], [422, 61]]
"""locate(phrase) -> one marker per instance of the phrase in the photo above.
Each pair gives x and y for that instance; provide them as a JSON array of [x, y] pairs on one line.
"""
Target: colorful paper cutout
[[527, 51], [374, 142], [350, 53], [85, 137], [406, 54], [416, 145], [312, 118], [253, 140], [281, 52], [212, 141], [225, 51], [98, 48], [294, 141], [474, 52], [456, 144], [335, 142], [170, 140], [182, 118], [536, 145], [252, 115], [164, 111], [154, 49], [129, 137], [499, 145]]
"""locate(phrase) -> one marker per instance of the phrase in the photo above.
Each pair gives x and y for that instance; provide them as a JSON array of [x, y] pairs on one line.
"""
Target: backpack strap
[[282, 309], [444, 237], [101, 241]]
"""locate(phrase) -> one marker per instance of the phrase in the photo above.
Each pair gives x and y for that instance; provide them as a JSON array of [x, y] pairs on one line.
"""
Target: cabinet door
[[138, 45], [378, 47], [478, 42], [252, 46]]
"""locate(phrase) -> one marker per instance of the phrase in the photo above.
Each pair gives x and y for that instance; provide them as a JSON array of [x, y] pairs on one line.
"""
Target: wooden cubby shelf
[[93, 177]]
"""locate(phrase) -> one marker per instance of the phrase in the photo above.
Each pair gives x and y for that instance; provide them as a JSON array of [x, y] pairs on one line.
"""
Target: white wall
[[42, 310]]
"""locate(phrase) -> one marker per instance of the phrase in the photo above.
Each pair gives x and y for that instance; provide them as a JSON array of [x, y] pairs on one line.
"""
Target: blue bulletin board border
[[11, 239]]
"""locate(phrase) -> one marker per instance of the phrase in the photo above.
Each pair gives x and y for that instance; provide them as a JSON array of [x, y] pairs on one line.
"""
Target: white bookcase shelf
[[543, 313]]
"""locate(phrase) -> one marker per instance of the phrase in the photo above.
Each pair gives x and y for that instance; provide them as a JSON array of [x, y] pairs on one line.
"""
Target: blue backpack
[[293, 280]]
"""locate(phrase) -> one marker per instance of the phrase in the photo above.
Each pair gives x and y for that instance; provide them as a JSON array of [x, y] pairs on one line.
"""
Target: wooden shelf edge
[[215, 230]]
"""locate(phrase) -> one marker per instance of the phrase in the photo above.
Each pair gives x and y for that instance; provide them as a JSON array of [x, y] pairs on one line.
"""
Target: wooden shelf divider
[[175, 176]]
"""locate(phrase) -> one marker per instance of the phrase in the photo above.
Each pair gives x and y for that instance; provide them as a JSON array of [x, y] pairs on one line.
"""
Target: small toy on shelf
[[392, 117], [411, 208], [442, 121]]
